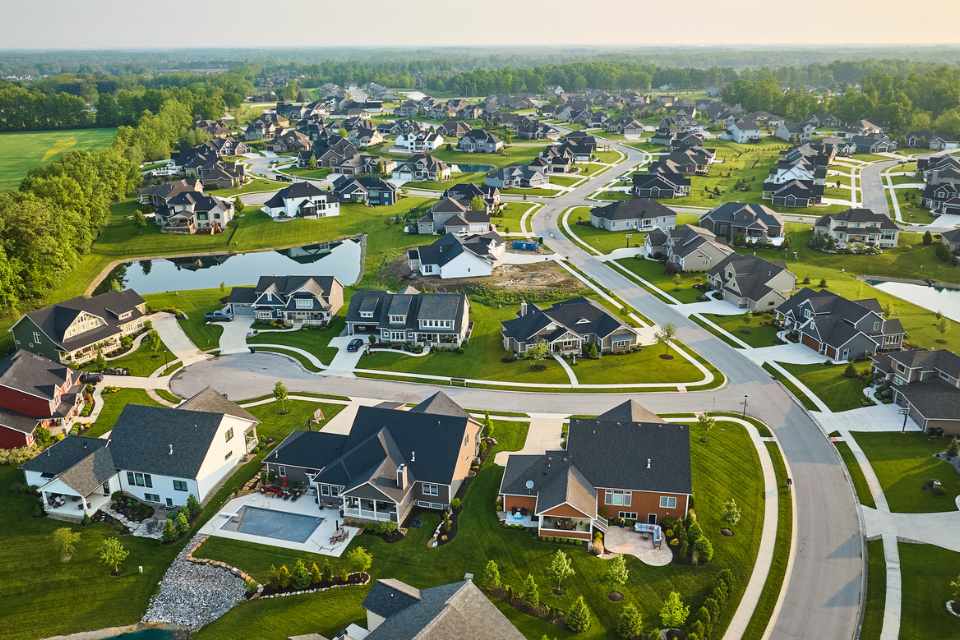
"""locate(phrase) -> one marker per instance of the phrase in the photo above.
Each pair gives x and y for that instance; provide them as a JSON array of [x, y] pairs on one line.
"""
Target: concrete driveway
[[881, 417], [790, 353], [176, 340], [545, 432], [344, 362], [234, 336]]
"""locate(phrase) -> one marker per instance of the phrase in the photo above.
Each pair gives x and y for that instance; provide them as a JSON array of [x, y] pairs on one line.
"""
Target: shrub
[[456, 504], [183, 524], [300, 578], [193, 506], [169, 531], [283, 577], [850, 371], [617, 572], [578, 616], [674, 613], [316, 576], [629, 623], [530, 592], [731, 513], [703, 549], [491, 576], [927, 238]]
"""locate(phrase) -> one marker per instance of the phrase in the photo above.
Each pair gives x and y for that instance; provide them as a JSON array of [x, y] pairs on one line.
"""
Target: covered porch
[[370, 509], [63, 502]]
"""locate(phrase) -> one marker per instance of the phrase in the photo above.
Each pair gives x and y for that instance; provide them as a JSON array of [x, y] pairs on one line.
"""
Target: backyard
[[727, 455], [830, 384], [756, 329], [903, 463], [678, 285], [22, 151]]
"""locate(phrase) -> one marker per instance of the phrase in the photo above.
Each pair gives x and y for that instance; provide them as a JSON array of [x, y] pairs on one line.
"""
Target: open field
[[22, 151]]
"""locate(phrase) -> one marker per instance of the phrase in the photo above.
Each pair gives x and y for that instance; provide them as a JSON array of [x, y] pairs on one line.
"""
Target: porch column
[[83, 501]]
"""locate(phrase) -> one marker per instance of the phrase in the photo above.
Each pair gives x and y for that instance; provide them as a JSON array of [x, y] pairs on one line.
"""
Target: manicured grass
[[531, 191], [911, 179], [22, 151], [113, 404], [876, 591], [781, 553], [311, 174], [254, 186], [277, 423], [926, 572], [646, 365], [194, 303], [608, 157], [910, 208], [509, 219], [870, 157], [600, 239], [443, 185], [903, 462], [727, 456], [510, 154], [565, 181], [807, 403], [827, 381], [314, 340], [141, 362], [695, 318], [856, 475], [612, 196], [678, 285], [43, 596], [757, 330]]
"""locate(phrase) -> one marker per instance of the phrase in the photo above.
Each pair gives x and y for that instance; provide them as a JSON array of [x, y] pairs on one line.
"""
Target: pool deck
[[319, 540]]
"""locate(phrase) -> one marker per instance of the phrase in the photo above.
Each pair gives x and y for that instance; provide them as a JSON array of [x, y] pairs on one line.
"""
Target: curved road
[[824, 592]]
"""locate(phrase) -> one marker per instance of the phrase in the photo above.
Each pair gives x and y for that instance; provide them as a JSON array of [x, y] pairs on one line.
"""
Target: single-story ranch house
[[567, 327], [642, 214]]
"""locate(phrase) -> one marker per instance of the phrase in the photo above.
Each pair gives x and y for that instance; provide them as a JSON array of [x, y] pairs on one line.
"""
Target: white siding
[[217, 465]]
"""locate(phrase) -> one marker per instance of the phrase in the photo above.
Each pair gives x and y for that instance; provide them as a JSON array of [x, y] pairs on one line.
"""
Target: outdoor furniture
[[654, 530]]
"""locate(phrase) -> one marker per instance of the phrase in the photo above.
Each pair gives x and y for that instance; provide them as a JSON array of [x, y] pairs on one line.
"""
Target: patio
[[629, 542], [71, 507], [325, 539], [519, 520]]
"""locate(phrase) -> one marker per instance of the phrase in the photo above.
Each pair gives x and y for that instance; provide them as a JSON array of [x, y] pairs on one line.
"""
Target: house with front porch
[[925, 383], [75, 330], [858, 226], [292, 300], [613, 467], [35, 392], [743, 222], [752, 283], [567, 328], [156, 454], [302, 200], [391, 460], [642, 214], [436, 320], [839, 328]]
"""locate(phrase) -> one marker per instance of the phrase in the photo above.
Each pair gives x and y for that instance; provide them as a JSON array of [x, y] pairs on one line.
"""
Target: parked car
[[217, 316], [90, 377], [117, 371], [354, 345]]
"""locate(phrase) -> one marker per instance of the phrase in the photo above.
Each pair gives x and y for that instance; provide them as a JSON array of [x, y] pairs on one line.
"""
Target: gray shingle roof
[[440, 404], [64, 454], [630, 411], [54, 319], [934, 399], [33, 374], [89, 473], [632, 209], [211, 401]]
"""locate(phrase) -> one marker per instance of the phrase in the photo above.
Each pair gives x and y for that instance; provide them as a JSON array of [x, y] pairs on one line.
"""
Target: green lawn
[[679, 285], [911, 179], [310, 174], [870, 157], [926, 572], [510, 154], [277, 423], [194, 303], [254, 186], [141, 362], [876, 592], [600, 239], [806, 402], [910, 208], [314, 340], [903, 462], [443, 185], [856, 475], [608, 157], [646, 365], [726, 456], [22, 151], [612, 196], [509, 219], [113, 404], [565, 181], [830, 385], [757, 330], [531, 191]]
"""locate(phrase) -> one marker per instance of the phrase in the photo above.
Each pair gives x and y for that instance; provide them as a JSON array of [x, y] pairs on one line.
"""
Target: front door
[[651, 518]]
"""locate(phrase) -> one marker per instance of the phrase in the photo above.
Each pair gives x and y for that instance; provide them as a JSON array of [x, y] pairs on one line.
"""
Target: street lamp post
[[745, 396]]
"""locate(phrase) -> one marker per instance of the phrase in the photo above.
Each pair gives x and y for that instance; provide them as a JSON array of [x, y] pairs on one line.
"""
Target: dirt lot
[[544, 278]]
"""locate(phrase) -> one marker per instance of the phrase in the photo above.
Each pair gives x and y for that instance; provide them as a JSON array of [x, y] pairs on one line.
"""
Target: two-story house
[[35, 392], [752, 283], [858, 226], [421, 166], [437, 320], [743, 131], [192, 212], [742, 222], [926, 384], [692, 248], [302, 200], [458, 256], [839, 328], [479, 141], [390, 462], [419, 141], [293, 300], [452, 215], [567, 328], [75, 330], [624, 464], [642, 214]]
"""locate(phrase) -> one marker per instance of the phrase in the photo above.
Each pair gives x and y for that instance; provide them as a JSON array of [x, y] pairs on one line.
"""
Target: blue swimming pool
[[293, 527]]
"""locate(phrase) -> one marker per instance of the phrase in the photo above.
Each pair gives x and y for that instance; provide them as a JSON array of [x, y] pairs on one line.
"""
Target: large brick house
[[626, 463], [35, 392]]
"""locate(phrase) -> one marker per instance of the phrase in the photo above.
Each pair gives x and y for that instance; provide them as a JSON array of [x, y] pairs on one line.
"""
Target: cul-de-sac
[[463, 322]]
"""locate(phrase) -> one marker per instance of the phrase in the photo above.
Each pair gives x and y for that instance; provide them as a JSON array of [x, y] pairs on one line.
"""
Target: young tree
[[360, 560], [488, 427], [629, 623], [666, 334], [538, 352], [674, 613], [942, 327], [193, 506], [238, 205], [99, 363], [477, 203], [113, 554], [491, 576], [65, 540], [560, 567], [617, 572], [183, 523], [530, 592], [927, 238], [301, 575], [154, 343], [169, 531], [955, 589], [703, 549], [578, 616], [280, 395], [731, 513], [706, 423]]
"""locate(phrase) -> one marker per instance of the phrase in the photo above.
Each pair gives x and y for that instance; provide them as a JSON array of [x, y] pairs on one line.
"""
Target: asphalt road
[[824, 592]]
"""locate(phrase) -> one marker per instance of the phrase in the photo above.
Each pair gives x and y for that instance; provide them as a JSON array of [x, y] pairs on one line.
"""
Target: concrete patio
[[628, 542]]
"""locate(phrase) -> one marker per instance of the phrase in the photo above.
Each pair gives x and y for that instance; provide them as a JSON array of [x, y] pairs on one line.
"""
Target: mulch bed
[[615, 596]]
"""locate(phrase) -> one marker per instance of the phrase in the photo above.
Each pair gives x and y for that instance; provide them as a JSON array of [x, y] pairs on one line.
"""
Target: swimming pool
[[254, 521]]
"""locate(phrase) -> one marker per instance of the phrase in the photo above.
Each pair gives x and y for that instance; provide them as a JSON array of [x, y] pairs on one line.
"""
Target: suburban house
[[190, 212], [660, 185], [743, 131], [689, 161], [874, 143], [398, 611], [421, 166], [567, 328], [330, 151], [292, 300], [692, 248], [926, 384], [465, 192], [479, 141], [156, 454], [838, 328], [530, 129], [437, 320], [951, 240], [369, 190], [454, 129], [795, 131], [515, 176], [419, 141], [858, 226], [391, 461], [942, 176], [748, 223], [449, 215], [35, 392], [302, 200], [642, 214], [291, 141], [157, 195], [75, 330], [752, 283], [795, 194], [458, 256], [625, 464]]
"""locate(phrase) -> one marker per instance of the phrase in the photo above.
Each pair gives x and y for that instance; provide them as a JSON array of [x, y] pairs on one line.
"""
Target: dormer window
[[397, 319], [583, 321], [366, 314], [303, 303], [124, 315], [876, 325]]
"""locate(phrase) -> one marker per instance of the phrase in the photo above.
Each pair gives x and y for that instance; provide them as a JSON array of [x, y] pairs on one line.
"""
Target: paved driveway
[[234, 336], [545, 432], [871, 186], [176, 340]]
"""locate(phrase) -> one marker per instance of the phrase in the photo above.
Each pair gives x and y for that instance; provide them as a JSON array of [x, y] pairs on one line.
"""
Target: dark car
[[217, 316], [117, 371], [354, 345], [90, 377]]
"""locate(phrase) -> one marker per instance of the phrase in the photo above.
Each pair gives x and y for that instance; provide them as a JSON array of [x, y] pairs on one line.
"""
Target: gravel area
[[193, 595]]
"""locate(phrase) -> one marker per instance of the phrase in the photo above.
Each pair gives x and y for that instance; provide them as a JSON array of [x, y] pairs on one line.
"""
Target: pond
[[946, 301], [340, 259], [474, 168], [147, 634]]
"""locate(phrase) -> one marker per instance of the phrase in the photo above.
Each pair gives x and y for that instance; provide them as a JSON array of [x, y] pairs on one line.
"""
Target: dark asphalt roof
[[859, 216], [308, 449], [630, 411], [54, 319], [934, 399], [742, 215], [946, 361], [64, 454], [561, 482], [580, 315], [295, 190], [211, 401], [440, 404], [750, 272], [30, 373], [388, 597], [632, 209]]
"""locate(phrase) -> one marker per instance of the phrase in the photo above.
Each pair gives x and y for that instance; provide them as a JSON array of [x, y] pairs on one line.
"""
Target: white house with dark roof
[[752, 283], [567, 328], [423, 141], [437, 320], [458, 256], [742, 131], [302, 200], [858, 226], [293, 300], [642, 214], [479, 141]]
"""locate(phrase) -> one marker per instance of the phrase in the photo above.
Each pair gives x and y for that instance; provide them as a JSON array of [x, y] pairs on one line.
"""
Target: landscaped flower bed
[[130, 508]]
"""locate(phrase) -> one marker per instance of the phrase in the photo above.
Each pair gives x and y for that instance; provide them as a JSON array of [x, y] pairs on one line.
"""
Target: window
[[430, 489], [668, 502], [618, 497], [282, 472], [139, 479], [228, 436], [303, 303], [180, 485], [229, 453], [366, 314], [627, 515], [169, 502], [151, 497], [876, 325], [397, 319], [36, 337]]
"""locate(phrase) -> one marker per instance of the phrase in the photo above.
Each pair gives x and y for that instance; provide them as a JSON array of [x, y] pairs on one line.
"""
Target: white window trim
[[430, 489], [613, 497], [666, 500]]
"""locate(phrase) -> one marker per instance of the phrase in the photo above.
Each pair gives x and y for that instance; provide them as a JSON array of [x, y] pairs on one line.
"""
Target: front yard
[[926, 572], [757, 330], [311, 339], [193, 304], [139, 362], [113, 403], [903, 462], [726, 466], [829, 383], [600, 239], [678, 285]]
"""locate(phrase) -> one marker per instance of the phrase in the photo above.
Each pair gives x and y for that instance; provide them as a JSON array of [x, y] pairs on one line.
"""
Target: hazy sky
[[95, 24]]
